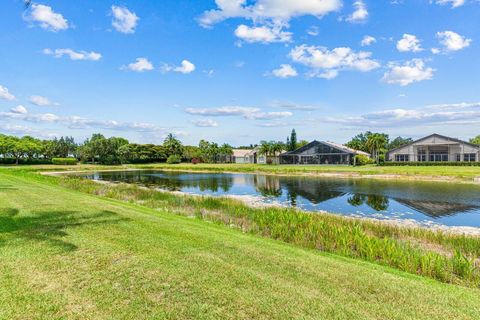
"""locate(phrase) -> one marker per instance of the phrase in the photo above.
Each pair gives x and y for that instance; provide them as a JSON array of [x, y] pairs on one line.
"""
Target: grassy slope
[[452, 172], [67, 254]]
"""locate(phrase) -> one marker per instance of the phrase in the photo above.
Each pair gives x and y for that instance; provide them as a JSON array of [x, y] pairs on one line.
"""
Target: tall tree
[[293, 141], [172, 146], [375, 143], [399, 142]]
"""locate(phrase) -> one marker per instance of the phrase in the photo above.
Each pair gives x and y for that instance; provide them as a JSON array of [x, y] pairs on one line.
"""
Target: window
[[438, 156], [422, 155], [402, 157], [458, 157], [469, 157]]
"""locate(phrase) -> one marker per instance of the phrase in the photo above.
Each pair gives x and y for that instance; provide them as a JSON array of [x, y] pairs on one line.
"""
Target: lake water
[[426, 202]]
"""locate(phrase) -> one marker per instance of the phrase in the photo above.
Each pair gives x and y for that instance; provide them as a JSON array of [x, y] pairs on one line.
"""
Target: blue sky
[[240, 71]]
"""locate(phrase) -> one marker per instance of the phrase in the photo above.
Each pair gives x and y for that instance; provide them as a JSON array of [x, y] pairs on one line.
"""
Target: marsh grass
[[449, 258]]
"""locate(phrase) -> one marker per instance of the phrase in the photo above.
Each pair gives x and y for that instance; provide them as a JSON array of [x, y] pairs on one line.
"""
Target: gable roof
[[328, 143], [241, 152], [436, 135]]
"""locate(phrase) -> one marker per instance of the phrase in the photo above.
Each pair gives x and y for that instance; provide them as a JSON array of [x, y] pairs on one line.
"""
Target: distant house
[[436, 148], [321, 152], [252, 156]]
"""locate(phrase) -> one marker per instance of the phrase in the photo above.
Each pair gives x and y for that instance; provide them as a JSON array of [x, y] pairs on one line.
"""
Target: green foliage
[[210, 152], [65, 161], [172, 146], [475, 140], [174, 159], [399, 142], [361, 160]]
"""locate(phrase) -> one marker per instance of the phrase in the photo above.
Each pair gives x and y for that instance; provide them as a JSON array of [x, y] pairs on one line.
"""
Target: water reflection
[[348, 196]]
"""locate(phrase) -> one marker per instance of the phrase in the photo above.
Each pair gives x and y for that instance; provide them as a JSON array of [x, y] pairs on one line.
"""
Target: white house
[[436, 148], [248, 156]]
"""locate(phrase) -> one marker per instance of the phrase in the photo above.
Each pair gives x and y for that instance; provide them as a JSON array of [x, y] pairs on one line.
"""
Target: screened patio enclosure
[[317, 152]]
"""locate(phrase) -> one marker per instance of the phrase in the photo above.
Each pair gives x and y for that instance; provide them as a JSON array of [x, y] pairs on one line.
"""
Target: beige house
[[436, 148]]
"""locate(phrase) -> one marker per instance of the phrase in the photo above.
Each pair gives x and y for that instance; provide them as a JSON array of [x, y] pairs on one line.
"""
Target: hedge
[[24, 161], [431, 163], [64, 161]]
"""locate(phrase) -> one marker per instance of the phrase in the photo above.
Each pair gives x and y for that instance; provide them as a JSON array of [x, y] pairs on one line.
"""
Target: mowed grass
[[454, 173], [66, 254]]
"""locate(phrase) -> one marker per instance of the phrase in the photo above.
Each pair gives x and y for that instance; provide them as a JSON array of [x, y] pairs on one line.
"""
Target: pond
[[425, 202]]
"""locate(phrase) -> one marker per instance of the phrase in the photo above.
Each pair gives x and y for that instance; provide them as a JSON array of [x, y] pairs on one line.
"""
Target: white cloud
[[140, 65], [262, 34], [360, 14], [245, 112], [409, 43], [368, 41], [452, 41], [446, 114], [5, 94], [73, 55], [411, 71], [207, 123], [42, 101], [47, 18], [19, 109], [185, 68], [313, 31], [262, 10], [454, 3], [124, 20], [325, 63], [285, 71]]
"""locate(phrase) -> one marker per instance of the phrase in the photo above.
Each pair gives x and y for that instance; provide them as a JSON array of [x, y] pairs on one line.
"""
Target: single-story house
[[321, 152], [252, 156], [437, 148]]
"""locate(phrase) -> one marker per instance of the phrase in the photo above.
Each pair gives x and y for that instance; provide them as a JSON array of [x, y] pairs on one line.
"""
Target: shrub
[[64, 161], [269, 161], [174, 159], [8, 161], [431, 163], [361, 160]]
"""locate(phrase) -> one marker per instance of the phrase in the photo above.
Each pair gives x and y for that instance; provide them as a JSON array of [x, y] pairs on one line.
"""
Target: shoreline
[[339, 175], [256, 202]]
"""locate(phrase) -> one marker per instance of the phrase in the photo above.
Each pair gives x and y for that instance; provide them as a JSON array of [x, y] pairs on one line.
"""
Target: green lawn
[[66, 254]]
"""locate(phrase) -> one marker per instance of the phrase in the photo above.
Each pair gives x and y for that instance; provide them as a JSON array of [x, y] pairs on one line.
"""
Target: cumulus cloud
[[325, 63], [140, 65], [19, 110], [205, 123], [245, 112], [5, 94], [453, 3], [446, 114], [73, 55], [294, 106], [41, 101], [46, 18], [285, 71], [263, 10], [262, 34], [411, 71], [360, 14], [185, 68], [452, 41], [124, 20], [368, 41], [409, 43]]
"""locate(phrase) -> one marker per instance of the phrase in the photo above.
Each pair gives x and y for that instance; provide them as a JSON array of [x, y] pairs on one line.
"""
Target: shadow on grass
[[49, 226]]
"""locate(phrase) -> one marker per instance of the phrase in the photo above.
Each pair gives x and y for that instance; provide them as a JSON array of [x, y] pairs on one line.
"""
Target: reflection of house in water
[[268, 186], [437, 209], [309, 189]]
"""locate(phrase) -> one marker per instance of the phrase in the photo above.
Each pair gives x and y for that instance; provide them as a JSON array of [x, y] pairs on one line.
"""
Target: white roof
[[241, 152]]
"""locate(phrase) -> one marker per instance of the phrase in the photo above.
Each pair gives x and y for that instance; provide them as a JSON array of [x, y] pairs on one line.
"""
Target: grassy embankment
[[67, 254]]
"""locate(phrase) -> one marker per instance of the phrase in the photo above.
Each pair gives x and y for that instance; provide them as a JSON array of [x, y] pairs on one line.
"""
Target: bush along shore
[[442, 256]]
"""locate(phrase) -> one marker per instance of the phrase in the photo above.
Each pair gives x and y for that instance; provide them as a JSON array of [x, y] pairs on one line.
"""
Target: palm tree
[[375, 142], [265, 148]]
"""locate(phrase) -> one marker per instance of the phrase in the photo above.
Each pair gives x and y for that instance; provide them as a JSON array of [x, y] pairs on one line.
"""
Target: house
[[436, 148], [321, 152], [252, 156]]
